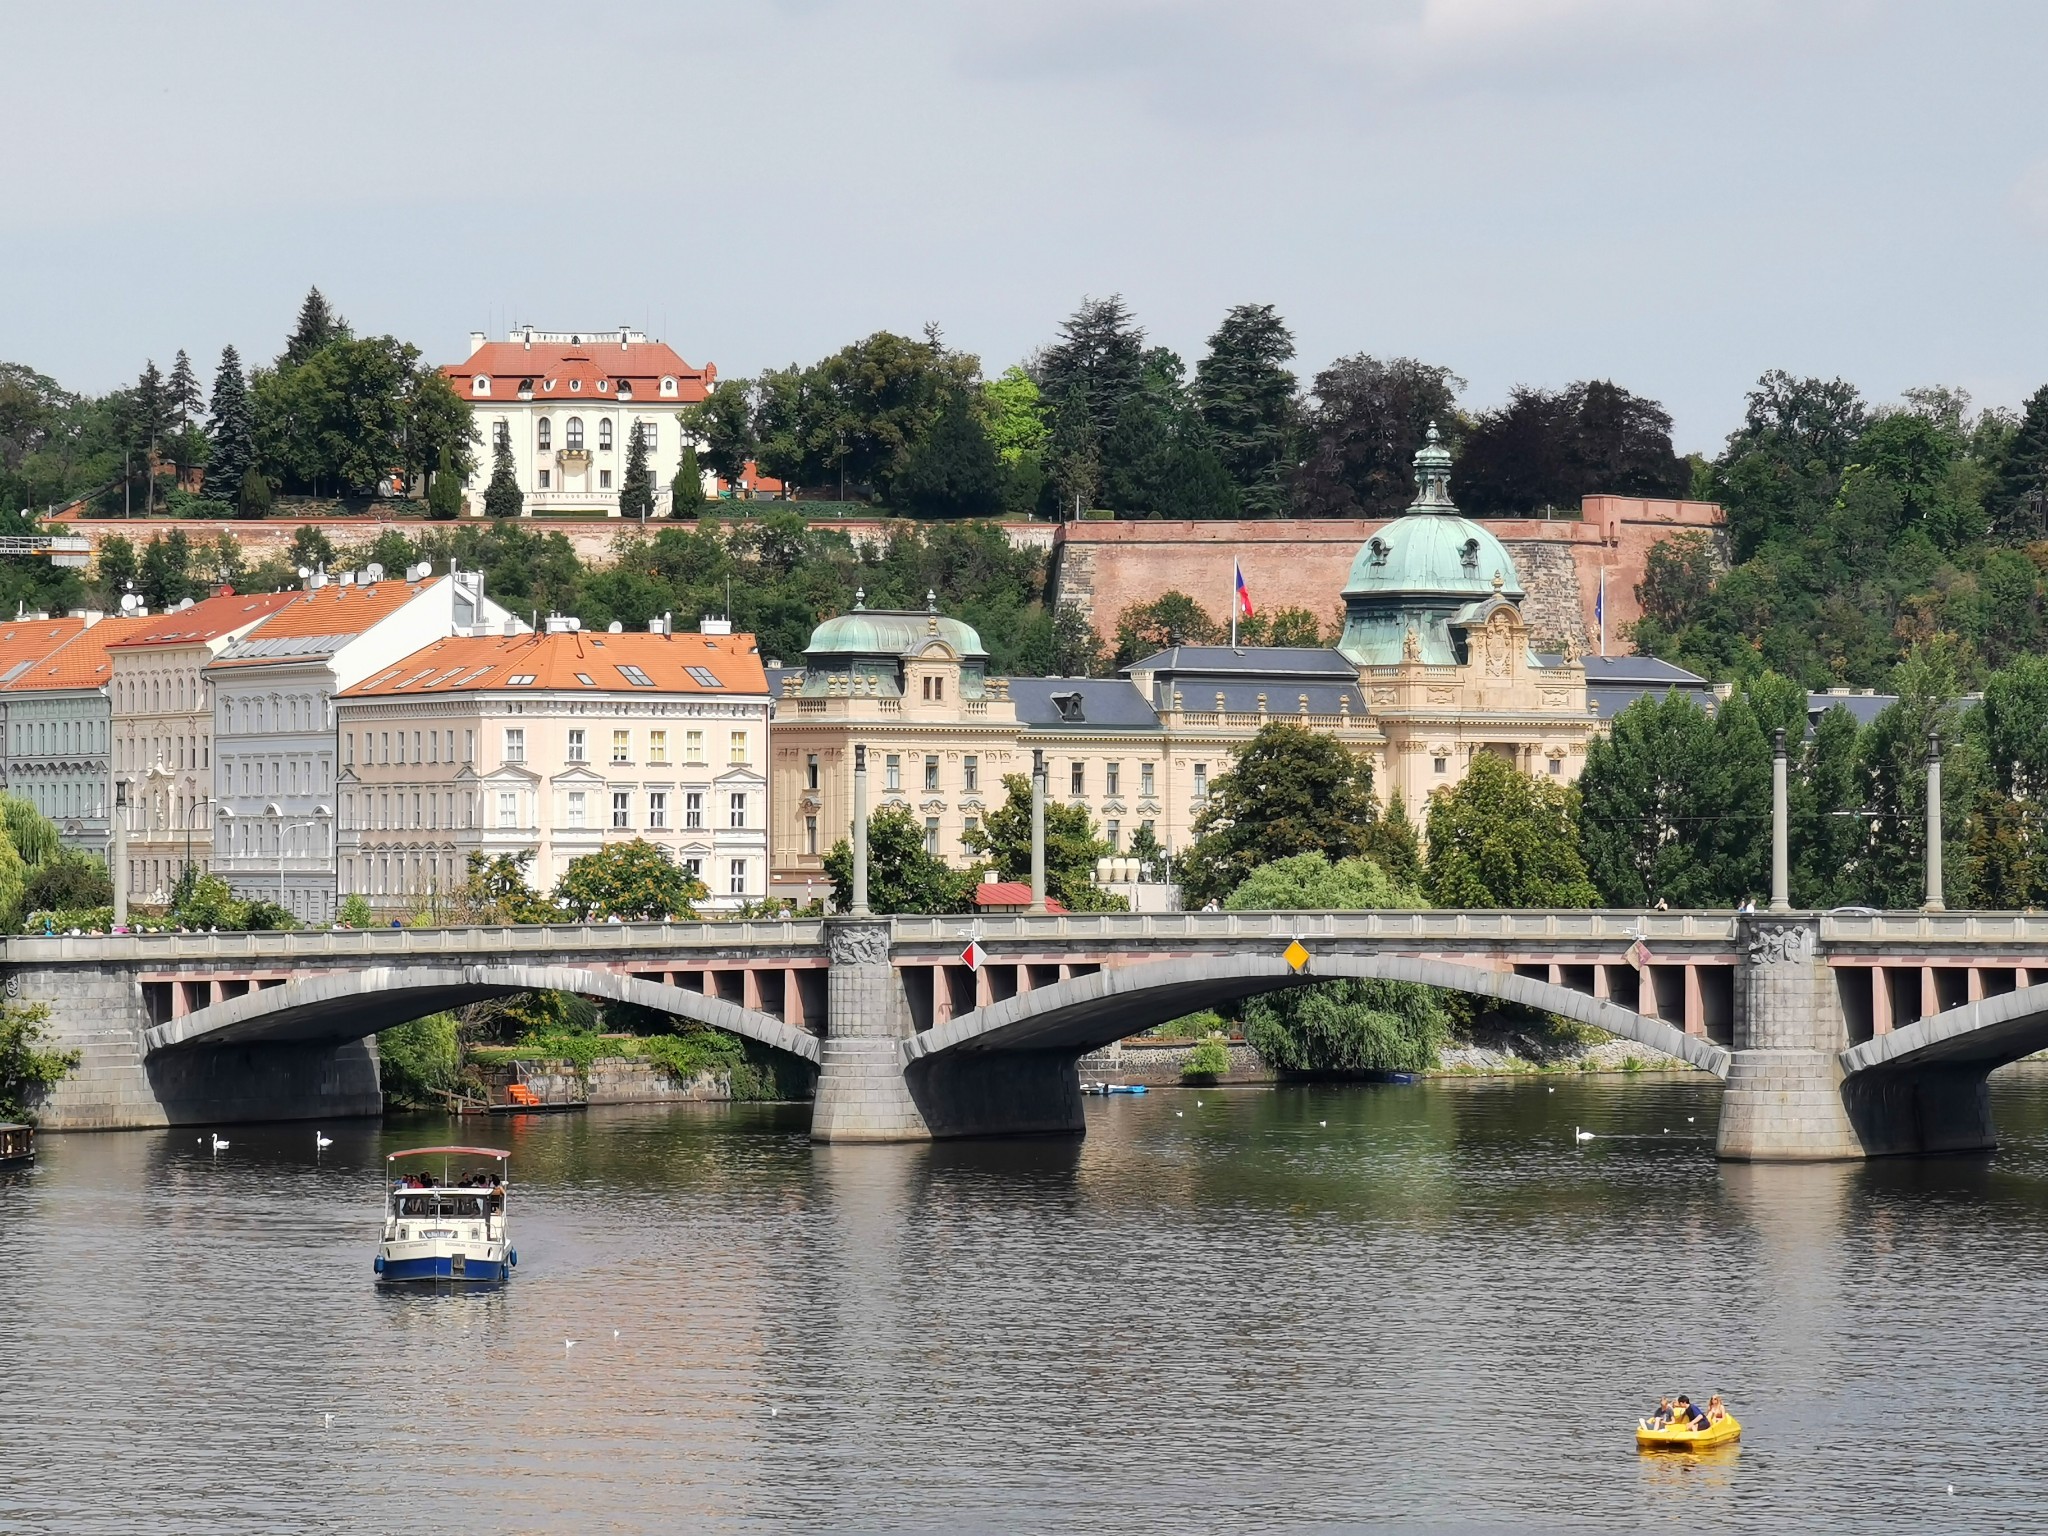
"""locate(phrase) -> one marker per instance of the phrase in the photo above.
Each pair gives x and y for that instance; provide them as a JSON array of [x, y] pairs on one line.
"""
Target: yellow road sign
[[1295, 955]]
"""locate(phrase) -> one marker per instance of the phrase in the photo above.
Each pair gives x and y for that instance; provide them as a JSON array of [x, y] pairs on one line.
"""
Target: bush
[[1207, 1061], [355, 912], [1344, 1027], [417, 1059], [686, 1057], [1190, 1026], [28, 1068], [64, 919]]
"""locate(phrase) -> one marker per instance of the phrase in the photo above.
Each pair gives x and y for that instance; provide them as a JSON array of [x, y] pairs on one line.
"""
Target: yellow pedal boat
[[1674, 1438]]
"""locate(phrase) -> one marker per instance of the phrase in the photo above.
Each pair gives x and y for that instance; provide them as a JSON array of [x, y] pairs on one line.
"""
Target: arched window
[[546, 431], [668, 386], [574, 433], [482, 383], [604, 433]]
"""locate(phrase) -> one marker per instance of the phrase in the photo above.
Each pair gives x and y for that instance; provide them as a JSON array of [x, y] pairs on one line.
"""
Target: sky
[[1674, 194]]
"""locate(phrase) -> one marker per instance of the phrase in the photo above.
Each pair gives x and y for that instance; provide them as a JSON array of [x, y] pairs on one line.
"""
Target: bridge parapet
[[1619, 929]]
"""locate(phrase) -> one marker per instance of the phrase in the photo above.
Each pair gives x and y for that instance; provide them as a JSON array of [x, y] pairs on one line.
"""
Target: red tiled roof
[[641, 364], [27, 640], [81, 662], [207, 620], [575, 662], [751, 478], [333, 610], [1010, 893]]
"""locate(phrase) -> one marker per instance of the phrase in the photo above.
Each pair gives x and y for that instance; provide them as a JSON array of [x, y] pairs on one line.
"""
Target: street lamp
[[321, 817]]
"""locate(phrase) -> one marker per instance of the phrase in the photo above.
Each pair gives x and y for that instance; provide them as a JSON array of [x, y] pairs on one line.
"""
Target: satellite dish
[[130, 602], [374, 571], [304, 572]]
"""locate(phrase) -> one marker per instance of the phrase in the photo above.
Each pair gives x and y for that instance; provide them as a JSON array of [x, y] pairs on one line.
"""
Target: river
[[1410, 1308]]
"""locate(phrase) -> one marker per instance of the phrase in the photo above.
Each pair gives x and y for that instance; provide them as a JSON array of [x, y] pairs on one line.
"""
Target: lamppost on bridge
[[1038, 831], [859, 906], [1934, 881], [119, 851]]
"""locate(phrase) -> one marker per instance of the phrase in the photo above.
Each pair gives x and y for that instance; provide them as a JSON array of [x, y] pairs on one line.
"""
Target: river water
[[1421, 1308]]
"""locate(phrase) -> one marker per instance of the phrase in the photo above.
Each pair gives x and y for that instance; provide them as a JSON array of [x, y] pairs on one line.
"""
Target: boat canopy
[[392, 1157]]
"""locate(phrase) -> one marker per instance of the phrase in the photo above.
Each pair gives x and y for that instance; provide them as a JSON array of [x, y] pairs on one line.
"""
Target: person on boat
[[1688, 1416], [1661, 1417], [1716, 1409]]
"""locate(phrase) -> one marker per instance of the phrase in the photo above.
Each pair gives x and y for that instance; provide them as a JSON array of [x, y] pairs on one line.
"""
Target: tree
[[255, 500], [149, 422], [1171, 619], [444, 495], [1552, 450], [1797, 437], [686, 491], [1246, 397], [348, 415], [317, 325], [1340, 1027], [2021, 500], [1077, 650], [636, 494], [494, 890], [182, 391], [1098, 360], [166, 575], [1290, 790], [355, 911], [311, 548], [952, 470], [1501, 838], [902, 876], [1363, 426], [1072, 847], [1892, 766], [70, 882], [1014, 413], [230, 430], [722, 424], [115, 567], [29, 1067], [438, 427], [1393, 844], [502, 497], [633, 881]]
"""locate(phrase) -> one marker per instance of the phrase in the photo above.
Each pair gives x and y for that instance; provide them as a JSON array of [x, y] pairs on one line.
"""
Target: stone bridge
[[1836, 1036]]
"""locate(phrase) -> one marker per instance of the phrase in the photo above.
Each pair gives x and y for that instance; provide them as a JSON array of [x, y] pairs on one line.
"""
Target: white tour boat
[[445, 1217]]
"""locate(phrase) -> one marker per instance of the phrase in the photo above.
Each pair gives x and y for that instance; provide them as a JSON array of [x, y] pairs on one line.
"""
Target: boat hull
[[440, 1268], [1726, 1432]]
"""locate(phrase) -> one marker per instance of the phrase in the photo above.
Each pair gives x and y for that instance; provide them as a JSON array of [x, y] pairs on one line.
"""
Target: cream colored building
[[163, 734], [556, 744], [1434, 667]]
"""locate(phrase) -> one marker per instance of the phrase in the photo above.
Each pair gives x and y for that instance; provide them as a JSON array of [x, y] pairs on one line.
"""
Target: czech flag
[[1244, 593]]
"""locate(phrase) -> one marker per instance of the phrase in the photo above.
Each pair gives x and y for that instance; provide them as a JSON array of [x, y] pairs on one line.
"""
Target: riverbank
[[1157, 1063]]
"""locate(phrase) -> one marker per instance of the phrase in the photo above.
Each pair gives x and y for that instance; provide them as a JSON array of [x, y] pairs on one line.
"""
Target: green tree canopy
[[1364, 422], [502, 496], [495, 890], [1290, 790], [1245, 393], [902, 876], [1310, 882], [635, 881], [1072, 847], [1501, 838], [636, 491], [952, 470]]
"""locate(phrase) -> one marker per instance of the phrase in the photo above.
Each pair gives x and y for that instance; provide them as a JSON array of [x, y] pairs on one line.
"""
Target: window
[[693, 748], [695, 868], [967, 833], [481, 384], [622, 746], [1201, 781], [636, 677], [739, 749], [1148, 827], [739, 877], [544, 435], [416, 748], [604, 479], [515, 744], [500, 433], [704, 676], [433, 746], [383, 746], [576, 746], [811, 771], [931, 771], [934, 690], [348, 749], [811, 836], [693, 811], [1440, 764], [575, 818], [1112, 833], [574, 435], [1077, 780], [892, 772], [604, 434], [468, 746], [931, 836], [657, 809], [1112, 778], [622, 809], [520, 680], [657, 746], [508, 808], [650, 436], [739, 809], [1145, 782], [1557, 765], [546, 480]]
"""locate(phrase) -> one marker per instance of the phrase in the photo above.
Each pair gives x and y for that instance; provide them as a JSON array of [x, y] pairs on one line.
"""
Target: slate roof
[[1264, 660], [1093, 704], [1864, 707]]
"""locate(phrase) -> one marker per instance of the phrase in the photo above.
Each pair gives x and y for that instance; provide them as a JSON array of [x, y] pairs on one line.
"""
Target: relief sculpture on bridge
[[862, 944], [1780, 943]]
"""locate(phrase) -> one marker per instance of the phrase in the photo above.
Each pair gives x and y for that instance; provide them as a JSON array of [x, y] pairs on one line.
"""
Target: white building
[[555, 745], [569, 403], [273, 729]]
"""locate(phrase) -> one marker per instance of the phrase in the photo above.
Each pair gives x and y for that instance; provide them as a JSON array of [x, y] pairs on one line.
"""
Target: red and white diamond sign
[[973, 955]]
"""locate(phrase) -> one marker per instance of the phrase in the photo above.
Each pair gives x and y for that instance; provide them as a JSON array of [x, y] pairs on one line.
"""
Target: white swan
[[219, 1145], [321, 1143], [1579, 1135]]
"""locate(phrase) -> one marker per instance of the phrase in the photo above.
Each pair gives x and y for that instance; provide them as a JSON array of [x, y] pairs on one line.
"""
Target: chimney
[[476, 342], [511, 627], [709, 625], [622, 338], [529, 338]]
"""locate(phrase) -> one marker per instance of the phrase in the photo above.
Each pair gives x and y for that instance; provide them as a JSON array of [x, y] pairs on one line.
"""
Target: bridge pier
[[861, 1093], [1783, 1100]]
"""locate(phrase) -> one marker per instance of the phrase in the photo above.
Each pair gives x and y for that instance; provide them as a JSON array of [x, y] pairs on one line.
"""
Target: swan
[[219, 1145], [1579, 1135], [321, 1143]]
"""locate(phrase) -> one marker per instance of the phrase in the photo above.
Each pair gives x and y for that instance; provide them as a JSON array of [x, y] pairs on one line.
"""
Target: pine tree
[[636, 496], [183, 396], [230, 430], [444, 493], [253, 499], [1246, 397], [149, 419], [502, 497], [686, 491], [952, 471], [318, 324], [2022, 496]]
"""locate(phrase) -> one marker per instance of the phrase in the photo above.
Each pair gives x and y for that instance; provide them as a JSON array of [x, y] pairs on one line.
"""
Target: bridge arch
[[1088, 1012], [1983, 1035], [347, 1005]]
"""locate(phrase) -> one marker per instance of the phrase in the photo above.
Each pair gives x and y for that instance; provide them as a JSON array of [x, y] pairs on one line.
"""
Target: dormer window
[[575, 386], [549, 387], [1377, 551], [481, 384], [625, 389], [526, 389], [602, 385], [1468, 554], [668, 386]]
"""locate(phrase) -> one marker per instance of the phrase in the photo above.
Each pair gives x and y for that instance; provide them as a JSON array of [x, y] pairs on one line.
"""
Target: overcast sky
[[1676, 194]]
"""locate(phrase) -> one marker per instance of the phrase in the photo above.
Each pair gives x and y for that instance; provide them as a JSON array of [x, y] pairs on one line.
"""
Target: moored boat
[[445, 1218], [17, 1145]]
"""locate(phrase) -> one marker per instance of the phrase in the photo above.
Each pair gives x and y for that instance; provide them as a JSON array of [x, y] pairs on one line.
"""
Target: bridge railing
[[312, 945], [1504, 927]]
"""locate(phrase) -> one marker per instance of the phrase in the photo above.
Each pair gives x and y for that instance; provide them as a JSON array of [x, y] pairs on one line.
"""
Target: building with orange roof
[[273, 690], [60, 728], [569, 404], [555, 745], [163, 733]]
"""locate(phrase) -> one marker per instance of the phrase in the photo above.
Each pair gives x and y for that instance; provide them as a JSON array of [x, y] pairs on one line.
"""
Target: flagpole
[[1235, 573], [1601, 606]]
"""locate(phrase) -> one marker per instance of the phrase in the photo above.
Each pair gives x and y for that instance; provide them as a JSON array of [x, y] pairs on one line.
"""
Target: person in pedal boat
[[1716, 1410], [1661, 1417]]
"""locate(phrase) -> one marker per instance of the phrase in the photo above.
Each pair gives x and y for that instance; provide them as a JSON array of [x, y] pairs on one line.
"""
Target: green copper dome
[[891, 632], [1419, 571]]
